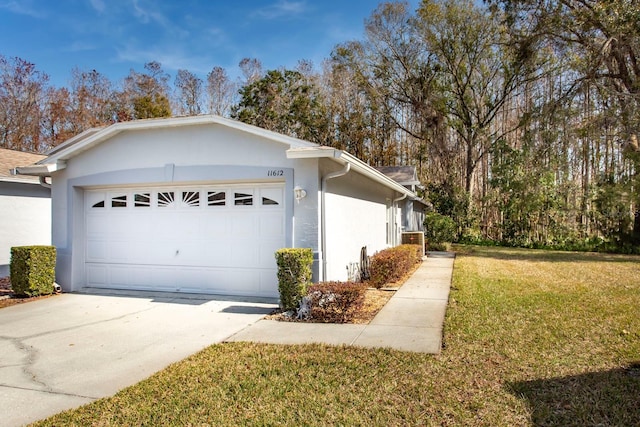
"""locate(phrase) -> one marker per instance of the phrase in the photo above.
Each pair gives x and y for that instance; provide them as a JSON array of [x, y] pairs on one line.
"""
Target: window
[[268, 202], [166, 199], [119, 201], [98, 205], [191, 198], [243, 199], [271, 196], [142, 200], [216, 198]]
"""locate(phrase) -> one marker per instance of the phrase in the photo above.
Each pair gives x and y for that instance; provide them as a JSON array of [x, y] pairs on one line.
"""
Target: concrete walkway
[[412, 320]]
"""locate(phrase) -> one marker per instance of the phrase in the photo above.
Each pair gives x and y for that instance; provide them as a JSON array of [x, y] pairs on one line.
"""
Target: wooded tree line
[[522, 116]]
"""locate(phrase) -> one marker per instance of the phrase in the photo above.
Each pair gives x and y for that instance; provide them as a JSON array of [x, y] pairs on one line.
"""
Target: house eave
[[358, 165], [39, 169]]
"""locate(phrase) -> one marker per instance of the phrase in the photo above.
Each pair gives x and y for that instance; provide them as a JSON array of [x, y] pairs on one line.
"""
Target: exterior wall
[[25, 218], [413, 216], [187, 155], [356, 210]]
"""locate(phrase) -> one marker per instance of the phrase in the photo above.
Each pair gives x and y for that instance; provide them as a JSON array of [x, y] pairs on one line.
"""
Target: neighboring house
[[25, 207], [413, 211], [200, 204]]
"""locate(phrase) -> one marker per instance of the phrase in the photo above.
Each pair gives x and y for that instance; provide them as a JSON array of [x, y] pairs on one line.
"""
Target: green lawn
[[532, 338]]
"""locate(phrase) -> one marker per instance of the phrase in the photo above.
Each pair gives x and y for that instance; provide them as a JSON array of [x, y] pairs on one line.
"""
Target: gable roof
[[95, 136], [10, 159], [296, 148], [405, 175]]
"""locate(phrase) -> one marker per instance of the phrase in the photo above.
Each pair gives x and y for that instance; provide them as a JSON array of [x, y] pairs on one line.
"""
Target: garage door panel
[[217, 254], [266, 252], [216, 246], [217, 226], [121, 251], [242, 281], [97, 226], [97, 275], [244, 253], [271, 225], [243, 224], [268, 282], [96, 250]]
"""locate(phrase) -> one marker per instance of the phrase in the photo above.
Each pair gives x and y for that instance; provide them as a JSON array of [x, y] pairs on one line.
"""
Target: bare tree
[[188, 88], [91, 100], [251, 70], [221, 92], [22, 89], [57, 118]]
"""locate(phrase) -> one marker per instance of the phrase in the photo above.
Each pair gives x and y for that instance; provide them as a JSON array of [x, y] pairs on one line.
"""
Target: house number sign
[[275, 172]]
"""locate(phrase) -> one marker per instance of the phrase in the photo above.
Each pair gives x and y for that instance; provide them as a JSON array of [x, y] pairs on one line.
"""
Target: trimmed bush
[[294, 275], [390, 265], [439, 229], [335, 302], [33, 270]]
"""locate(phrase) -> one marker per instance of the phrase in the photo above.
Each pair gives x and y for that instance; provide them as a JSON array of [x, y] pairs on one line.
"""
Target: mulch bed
[[7, 297], [5, 286]]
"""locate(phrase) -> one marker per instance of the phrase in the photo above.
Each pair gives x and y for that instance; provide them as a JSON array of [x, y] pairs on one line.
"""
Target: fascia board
[[39, 169], [92, 137], [368, 171], [312, 152], [356, 164]]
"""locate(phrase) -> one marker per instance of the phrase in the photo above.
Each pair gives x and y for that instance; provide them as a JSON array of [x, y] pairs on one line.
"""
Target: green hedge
[[439, 229], [33, 270], [294, 275], [335, 302], [390, 265]]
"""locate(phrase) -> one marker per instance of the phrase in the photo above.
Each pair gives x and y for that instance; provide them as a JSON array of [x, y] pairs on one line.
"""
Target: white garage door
[[209, 239]]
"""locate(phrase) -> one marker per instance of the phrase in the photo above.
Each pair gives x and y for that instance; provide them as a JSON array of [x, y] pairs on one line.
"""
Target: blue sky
[[113, 36]]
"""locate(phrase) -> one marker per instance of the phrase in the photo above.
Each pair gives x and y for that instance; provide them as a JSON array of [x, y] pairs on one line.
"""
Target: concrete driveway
[[68, 350]]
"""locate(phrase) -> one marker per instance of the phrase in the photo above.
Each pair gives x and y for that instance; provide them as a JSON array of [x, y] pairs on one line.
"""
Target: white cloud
[[148, 14], [98, 5], [22, 8], [172, 59], [282, 8], [80, 46]]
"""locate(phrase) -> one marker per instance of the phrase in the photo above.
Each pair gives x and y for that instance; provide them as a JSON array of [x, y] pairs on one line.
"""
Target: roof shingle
[[10, 159]]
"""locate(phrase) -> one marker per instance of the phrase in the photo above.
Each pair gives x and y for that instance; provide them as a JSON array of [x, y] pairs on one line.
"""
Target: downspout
[[395, 216], [42, 179], [323, 234], [43, 182]]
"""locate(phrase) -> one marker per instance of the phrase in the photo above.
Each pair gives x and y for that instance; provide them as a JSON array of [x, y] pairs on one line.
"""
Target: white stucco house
[[25, 207], [200, 204]]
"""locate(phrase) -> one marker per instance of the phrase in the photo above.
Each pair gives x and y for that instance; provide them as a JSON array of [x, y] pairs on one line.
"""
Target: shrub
[[294, 275], [335, 302], [390, 265], [439, 228], [32, 270]]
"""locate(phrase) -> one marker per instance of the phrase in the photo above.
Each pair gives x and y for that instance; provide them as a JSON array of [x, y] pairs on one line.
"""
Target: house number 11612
[[276, 172]]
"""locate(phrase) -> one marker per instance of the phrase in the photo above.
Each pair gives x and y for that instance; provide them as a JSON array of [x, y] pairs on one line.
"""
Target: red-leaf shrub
[[390, 265], [335, 302]]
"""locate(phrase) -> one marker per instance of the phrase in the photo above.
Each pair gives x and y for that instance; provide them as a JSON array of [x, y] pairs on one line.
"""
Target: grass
[[532, 338]]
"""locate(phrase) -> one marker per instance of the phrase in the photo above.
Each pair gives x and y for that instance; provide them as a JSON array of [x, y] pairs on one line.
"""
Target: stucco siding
[[185, 146], [24, 221], [356, 216]]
